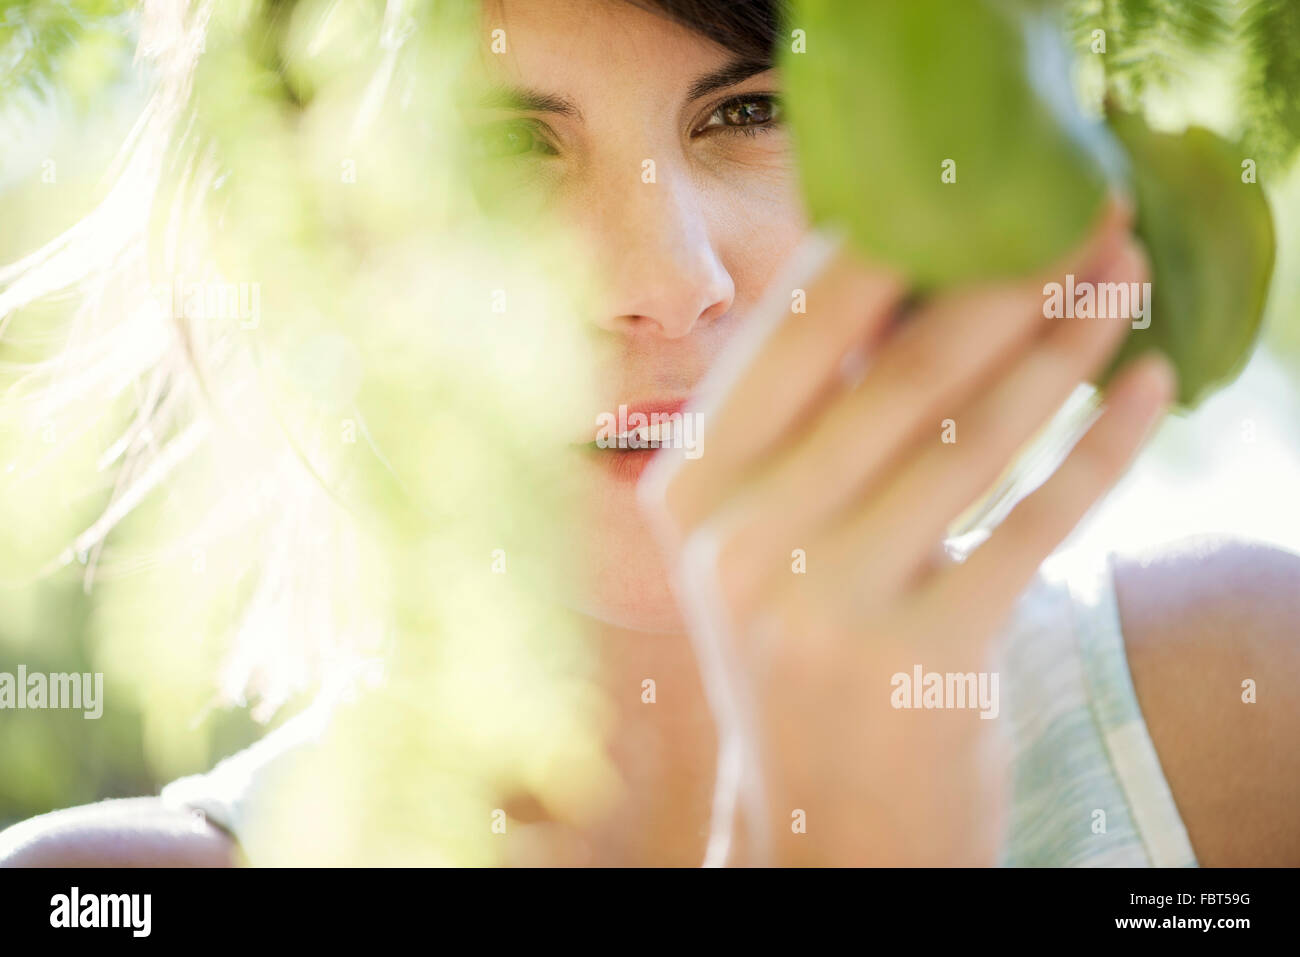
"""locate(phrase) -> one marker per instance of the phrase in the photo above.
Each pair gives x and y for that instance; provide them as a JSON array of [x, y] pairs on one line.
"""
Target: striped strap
[[1115, 706]]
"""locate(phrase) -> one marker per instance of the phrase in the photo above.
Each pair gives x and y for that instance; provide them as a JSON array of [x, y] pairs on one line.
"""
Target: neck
[[663, 743]]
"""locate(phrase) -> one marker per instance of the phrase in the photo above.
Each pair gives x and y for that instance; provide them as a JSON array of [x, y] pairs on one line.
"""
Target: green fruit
[[888, 93], [943, 136]]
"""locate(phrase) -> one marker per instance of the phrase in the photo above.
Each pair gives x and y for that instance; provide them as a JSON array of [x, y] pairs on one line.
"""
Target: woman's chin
[[628, 617], [625, 584], [631, 605], [628, 587]]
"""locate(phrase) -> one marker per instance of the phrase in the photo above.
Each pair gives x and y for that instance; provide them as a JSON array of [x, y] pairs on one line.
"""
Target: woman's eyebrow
[[526, 100], [534, 101], [729, 74]]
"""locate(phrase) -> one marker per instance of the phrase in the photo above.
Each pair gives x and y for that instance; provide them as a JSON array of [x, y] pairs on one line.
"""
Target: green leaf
[[38, 38], [1211, 242], [1270, 35]]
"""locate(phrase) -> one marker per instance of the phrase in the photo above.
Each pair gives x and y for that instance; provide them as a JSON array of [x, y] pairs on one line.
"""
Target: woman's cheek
[[763, 220]]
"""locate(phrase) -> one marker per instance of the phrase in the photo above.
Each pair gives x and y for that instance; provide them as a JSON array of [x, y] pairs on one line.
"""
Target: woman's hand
[[804, 544]]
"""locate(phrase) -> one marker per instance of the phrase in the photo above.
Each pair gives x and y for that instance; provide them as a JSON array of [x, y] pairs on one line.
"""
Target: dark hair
[[746, 27]]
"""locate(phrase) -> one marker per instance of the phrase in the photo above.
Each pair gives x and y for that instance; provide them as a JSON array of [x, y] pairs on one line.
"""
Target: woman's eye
[[511, 138], [744, 114]]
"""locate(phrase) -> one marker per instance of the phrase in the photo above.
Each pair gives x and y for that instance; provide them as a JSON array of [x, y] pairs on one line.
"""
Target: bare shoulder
[[130, 832], [1212, 631]]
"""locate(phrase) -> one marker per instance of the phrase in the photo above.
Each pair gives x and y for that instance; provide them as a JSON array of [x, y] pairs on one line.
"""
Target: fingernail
[[1162, 376]]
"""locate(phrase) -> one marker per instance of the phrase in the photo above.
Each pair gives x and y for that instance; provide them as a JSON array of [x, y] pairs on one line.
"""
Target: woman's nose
[[663, 272]]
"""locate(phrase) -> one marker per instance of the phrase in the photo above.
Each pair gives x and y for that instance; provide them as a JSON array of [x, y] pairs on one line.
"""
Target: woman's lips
[[624, 465], [618, 432]]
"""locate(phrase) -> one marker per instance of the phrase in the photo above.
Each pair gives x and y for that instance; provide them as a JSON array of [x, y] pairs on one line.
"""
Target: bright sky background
[[1203, 473]]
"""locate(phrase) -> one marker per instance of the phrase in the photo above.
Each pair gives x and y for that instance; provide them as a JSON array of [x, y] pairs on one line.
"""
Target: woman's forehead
[[559, 47]]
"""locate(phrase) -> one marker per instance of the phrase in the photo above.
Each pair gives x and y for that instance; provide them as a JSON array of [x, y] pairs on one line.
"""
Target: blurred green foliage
[[327, 482]]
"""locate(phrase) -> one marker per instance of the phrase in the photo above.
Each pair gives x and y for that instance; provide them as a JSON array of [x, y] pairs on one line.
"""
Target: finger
[[987, 584], [778, 367], [921, 500]]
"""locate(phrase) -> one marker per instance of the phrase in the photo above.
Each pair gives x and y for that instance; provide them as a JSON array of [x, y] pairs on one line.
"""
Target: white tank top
[[1087, 784]]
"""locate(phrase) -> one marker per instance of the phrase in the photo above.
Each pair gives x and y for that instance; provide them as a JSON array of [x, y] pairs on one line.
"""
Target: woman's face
[[598, 88]]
